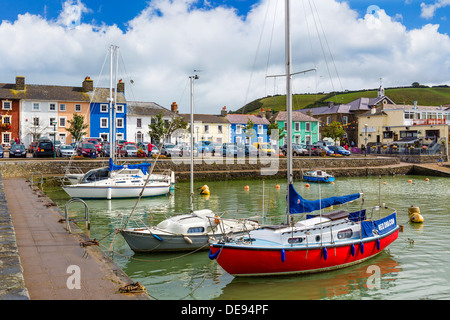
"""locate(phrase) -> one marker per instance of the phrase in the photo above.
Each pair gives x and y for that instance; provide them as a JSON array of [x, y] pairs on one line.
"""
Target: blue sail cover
[[299, 205], [379, 227], [142, 166]]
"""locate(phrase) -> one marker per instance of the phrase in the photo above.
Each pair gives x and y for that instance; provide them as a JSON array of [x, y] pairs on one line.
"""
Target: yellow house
[[396, 124]]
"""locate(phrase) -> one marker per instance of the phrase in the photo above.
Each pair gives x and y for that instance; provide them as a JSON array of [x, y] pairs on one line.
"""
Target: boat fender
[[213, 256], [157, 237], [283, 255], [378, 244], [362, 247], [352, 250], [325, 253], [216, 219], [187, 239]]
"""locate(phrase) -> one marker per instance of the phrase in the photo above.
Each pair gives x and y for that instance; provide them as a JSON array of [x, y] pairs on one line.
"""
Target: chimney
[[224, 112], [20, 83], [269, 114], [88, 84], [262, 113], [174, 107], [121, 86], [373, 110]]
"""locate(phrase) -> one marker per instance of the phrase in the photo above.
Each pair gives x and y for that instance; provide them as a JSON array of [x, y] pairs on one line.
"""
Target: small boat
[[119, 181], [185, 232], [318, 176], [320, 242]]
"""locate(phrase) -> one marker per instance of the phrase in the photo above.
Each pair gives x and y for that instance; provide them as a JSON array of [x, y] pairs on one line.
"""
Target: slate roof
[[139, 108], [338, 108], [243, 119], [296, 116], [205, 118], [56, 93]]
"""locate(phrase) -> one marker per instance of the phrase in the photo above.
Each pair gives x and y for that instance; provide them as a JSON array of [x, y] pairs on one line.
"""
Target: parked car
[[339, 150], [326, 150], [264, 148], [65, 151], [44, 149], [2, 151], [17, 151], [248, 150], [105, 150], [96, 142], [86, 149], [170, 150], [229, 150], [129, 150], [299, 150], [312, 150]]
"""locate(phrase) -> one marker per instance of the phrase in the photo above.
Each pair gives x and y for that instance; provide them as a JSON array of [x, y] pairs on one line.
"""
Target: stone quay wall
[[210, 168]]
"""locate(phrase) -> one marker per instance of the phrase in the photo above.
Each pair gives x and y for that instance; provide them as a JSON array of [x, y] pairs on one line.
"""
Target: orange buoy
[[246, 188], [307, 185], [426, 179], [277, 186], [410, 181]]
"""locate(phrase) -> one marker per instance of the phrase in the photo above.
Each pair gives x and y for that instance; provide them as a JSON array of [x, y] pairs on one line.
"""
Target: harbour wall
[[210, 168]]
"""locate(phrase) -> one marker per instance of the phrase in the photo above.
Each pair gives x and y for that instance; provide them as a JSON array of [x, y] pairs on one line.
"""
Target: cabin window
[[348, 233], [295, 240], [196, 230]]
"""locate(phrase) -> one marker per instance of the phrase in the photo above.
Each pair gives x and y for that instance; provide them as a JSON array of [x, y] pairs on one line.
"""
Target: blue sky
[[235, 43], [120, 12]]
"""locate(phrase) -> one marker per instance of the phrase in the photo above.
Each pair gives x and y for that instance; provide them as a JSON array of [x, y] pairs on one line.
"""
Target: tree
[[77, 126], [274, 126], [334, 130], [160, 128]]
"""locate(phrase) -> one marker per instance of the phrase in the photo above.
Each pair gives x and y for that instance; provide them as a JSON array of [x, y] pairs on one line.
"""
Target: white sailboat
[[186, 232], [118, 181]]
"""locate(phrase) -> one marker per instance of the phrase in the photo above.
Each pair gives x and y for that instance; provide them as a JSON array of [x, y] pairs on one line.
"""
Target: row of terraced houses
[[29, 112]]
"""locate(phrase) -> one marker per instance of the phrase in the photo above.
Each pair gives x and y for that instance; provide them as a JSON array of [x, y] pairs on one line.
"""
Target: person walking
[[150, 147], [440, 161]]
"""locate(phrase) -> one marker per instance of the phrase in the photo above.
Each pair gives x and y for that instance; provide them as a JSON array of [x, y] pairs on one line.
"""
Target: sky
[[231, 44]]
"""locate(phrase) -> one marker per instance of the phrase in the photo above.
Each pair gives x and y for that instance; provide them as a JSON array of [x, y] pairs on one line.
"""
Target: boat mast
[[288, 103], [192, 78], [112, 100]]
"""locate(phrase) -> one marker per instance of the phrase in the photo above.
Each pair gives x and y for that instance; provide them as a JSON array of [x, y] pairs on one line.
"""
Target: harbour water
[[416, 266]]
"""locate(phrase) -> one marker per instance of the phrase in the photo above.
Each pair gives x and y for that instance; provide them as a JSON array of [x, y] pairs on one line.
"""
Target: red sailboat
[[318, 243]]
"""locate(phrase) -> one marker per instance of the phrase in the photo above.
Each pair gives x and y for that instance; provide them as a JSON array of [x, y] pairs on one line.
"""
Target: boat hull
[[147, 243], [115, 192], [318, 179], [257, 261]]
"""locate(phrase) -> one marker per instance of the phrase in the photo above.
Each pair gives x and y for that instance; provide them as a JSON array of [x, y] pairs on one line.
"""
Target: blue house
[[239, 123], [100, 114]]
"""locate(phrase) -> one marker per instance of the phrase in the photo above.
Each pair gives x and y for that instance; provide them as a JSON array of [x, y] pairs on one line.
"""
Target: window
[[238, 129], [138, 123], [409, 115], [6, 137], [307, 126], [6, 105], [35, 106], [348, 233], [52, 121], [219, 128], [104, 122], [52, 107], [388, 134], [119, 108], [6, 119], [344, 120], [260, 129], [78, 108], [297, 126], [206, 128], [62, 122], [36, 121], [104, 136], [62, 107], [103, 108], [328, 120], [119, 123]]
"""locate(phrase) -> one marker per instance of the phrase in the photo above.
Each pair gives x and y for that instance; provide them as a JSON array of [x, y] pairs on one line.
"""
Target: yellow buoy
[[414, 215], [384, 182], [204, 190]]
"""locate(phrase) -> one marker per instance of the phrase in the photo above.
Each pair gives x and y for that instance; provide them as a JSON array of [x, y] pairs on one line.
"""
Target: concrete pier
[[40, 260]]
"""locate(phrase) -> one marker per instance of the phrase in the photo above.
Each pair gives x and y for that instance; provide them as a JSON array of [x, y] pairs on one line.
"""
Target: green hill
[[425, 96]]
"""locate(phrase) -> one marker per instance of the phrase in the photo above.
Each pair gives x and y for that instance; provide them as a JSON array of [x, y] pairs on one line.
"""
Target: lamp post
[[53, 123], [365, 140]]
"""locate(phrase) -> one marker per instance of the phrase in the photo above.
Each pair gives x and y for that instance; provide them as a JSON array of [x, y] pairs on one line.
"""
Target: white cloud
[[428, 10], [169, 39], [71, 13]]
